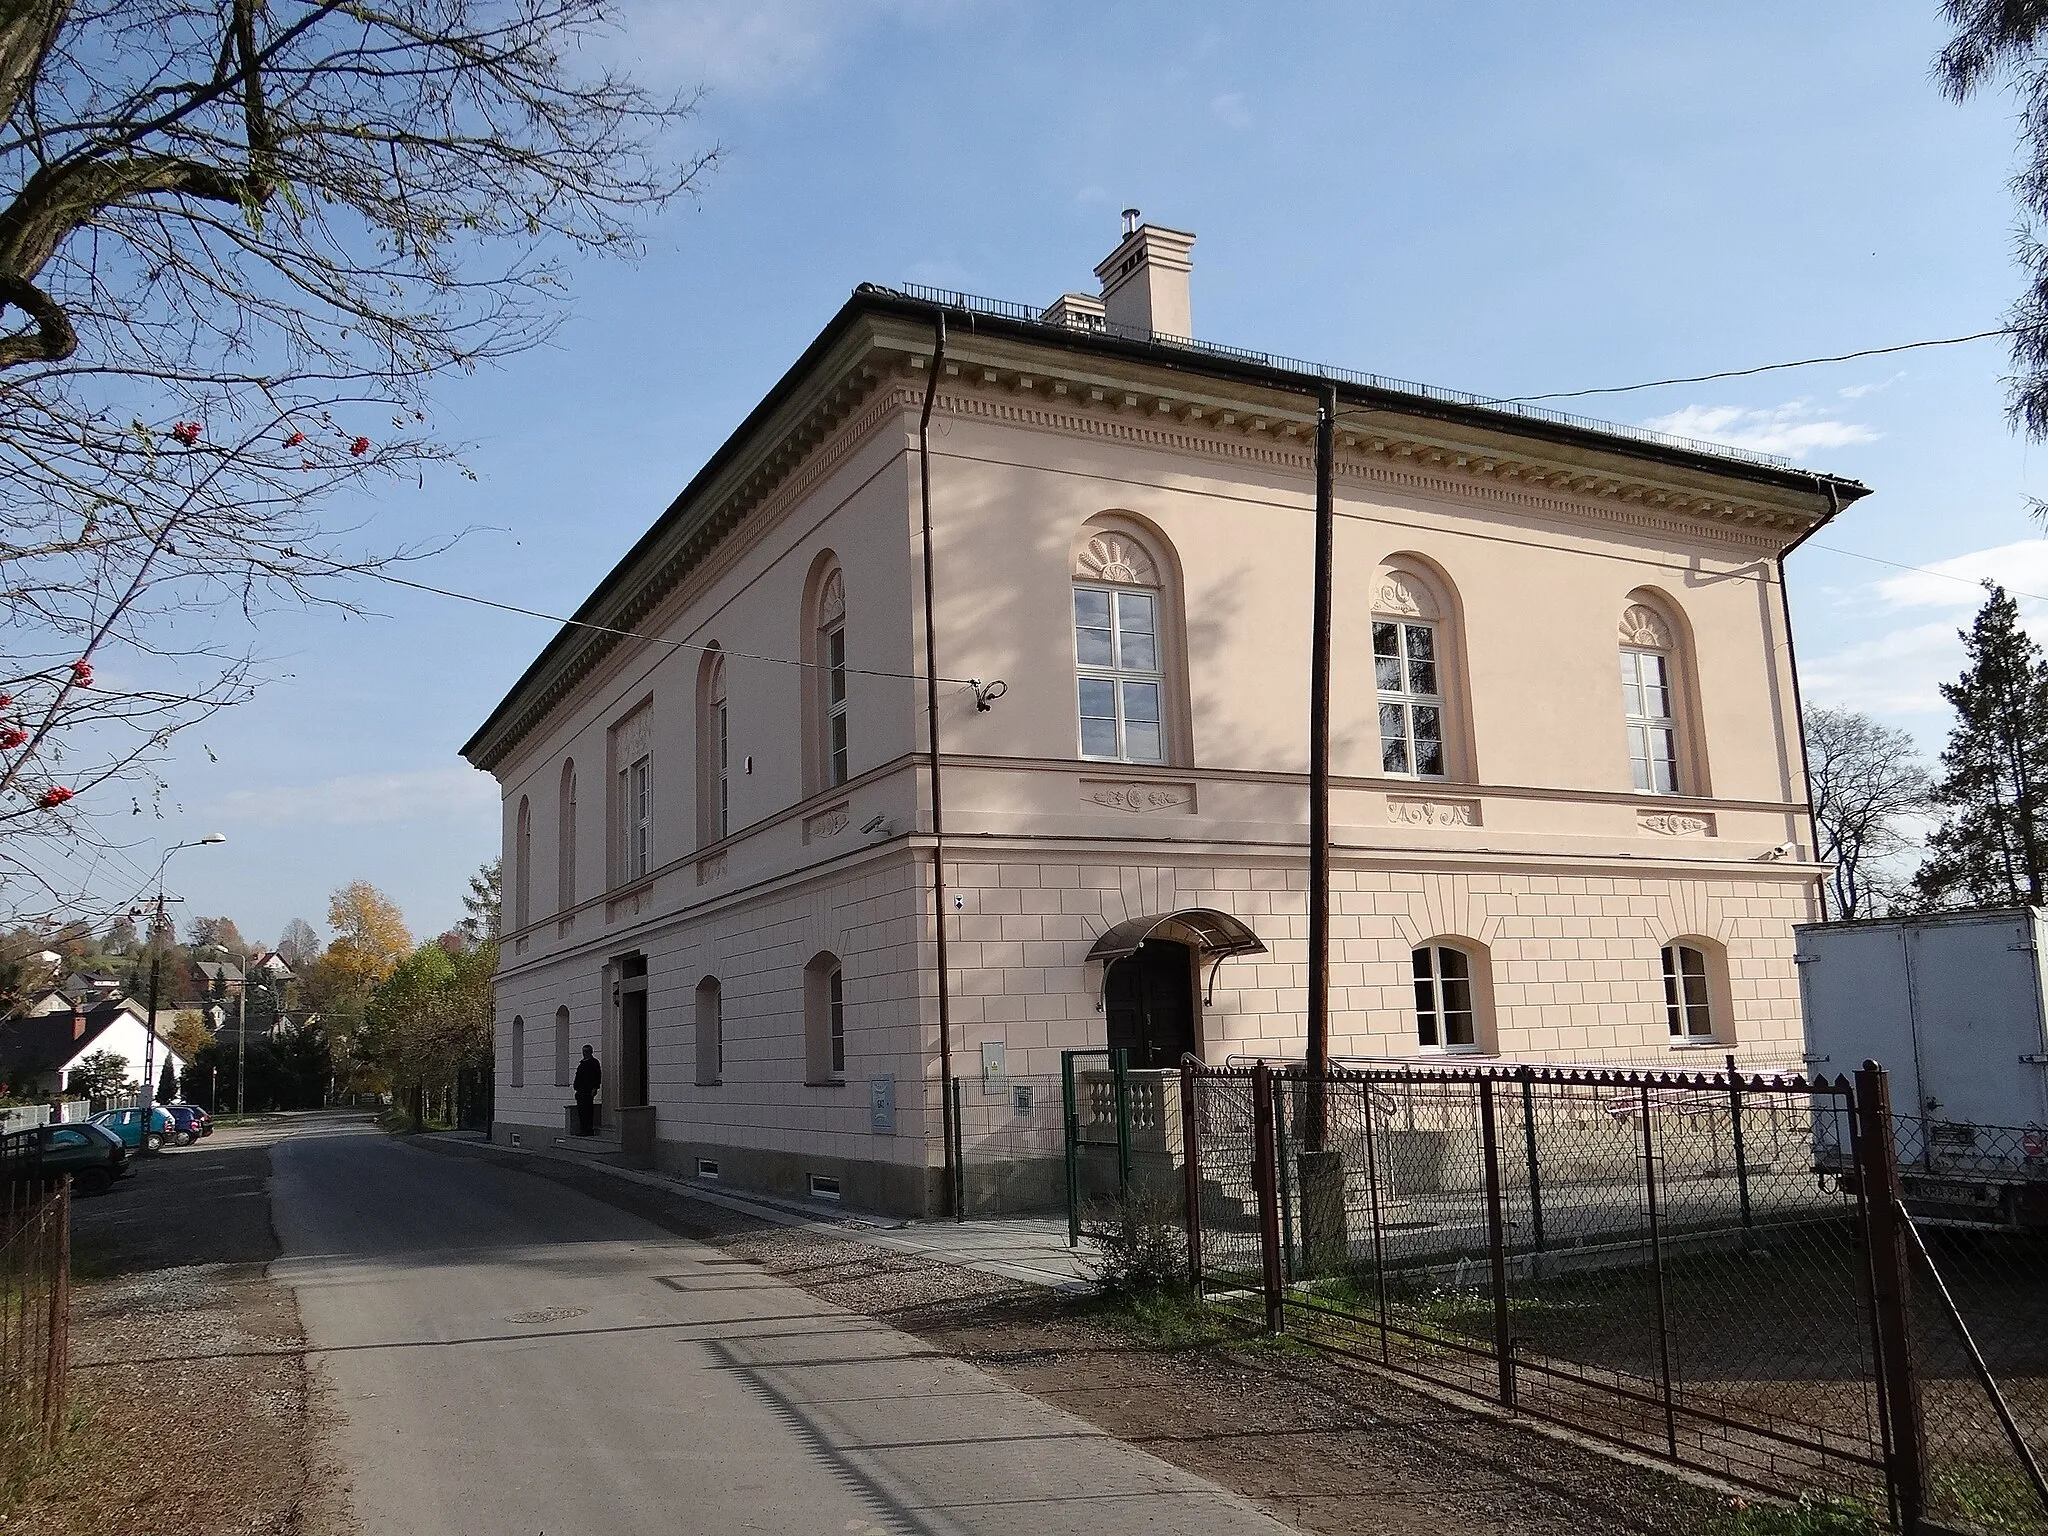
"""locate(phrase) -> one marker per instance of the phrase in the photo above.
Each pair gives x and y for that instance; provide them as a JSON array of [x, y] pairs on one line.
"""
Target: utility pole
[[1316, 1130], [242, 1053], [156, 979]]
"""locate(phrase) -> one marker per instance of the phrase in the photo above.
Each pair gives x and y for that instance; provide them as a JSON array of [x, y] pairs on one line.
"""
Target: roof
[[37, 1045], [688, 529]]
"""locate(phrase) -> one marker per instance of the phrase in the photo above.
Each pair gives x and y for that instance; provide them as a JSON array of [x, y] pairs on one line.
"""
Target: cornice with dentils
[[1218, 409]]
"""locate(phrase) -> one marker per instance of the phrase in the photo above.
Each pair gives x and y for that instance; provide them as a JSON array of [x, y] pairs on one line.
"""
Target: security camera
[[873, 824], [1782, 851]]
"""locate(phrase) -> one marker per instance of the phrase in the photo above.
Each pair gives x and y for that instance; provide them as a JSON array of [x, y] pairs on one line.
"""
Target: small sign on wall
[[882, 1104], [1020, 1098], [995, 1071]]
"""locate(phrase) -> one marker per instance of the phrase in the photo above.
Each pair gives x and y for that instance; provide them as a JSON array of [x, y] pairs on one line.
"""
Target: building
[[1569, 817], [53, 1034]]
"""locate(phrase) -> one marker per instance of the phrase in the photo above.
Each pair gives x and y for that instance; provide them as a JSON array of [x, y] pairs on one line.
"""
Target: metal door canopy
[[1212, 932]]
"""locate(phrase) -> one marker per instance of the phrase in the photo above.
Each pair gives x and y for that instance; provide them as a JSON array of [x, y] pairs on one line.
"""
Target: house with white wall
[[54, 1034], [1569, 817]]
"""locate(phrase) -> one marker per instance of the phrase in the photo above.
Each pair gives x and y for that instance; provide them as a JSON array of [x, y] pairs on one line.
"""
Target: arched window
[[826, 725], [714, 749], [516, 1073], [1417, 669], [1659, 696], [630, 798], [1453, 995], [1696, 994], [565, 841], [710, 1033], [522, 868], [565, 1056], [1129, 677], [824, 1020]]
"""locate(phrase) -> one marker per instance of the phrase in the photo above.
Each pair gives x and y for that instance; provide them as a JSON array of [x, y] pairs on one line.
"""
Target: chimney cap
[[1132, 218]]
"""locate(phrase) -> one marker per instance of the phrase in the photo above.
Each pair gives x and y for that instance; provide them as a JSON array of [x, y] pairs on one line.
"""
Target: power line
[[629, 634], [1743, 373]]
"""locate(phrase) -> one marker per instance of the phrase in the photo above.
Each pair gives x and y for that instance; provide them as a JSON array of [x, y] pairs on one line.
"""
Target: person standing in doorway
[[589, 1078]]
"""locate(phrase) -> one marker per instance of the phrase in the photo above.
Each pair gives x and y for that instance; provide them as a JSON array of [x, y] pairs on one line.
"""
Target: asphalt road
[[511, 1356]]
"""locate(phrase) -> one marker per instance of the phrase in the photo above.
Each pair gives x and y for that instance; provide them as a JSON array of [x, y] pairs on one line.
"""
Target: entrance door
[[633, 1032], [1148, 998]]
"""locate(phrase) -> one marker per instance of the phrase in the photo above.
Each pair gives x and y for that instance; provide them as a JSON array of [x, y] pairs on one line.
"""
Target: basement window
[[707, 1167], [824, 1188]]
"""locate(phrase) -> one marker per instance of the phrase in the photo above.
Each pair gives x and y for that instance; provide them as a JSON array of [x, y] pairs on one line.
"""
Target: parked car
[[204, 1120], [127, 1124], [92, 1155], [193, 1122]]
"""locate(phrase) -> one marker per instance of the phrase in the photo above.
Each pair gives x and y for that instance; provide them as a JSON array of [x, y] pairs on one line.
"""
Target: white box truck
[[1952, 1006]]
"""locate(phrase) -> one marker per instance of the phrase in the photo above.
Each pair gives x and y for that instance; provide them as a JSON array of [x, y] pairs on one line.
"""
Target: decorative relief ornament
[[1140, 797], [711, 869], [832, 599], [1116, 558], [827, 823], [1433, 813], [1672, 824], [1645, 627], [1399, 593]]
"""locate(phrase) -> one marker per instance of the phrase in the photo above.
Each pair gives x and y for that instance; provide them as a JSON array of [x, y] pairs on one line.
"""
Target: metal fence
[[1721, 1270], [35, 1302]]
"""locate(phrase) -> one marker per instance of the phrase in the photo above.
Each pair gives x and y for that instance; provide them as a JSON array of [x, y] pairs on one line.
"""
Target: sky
[[1498, 197]]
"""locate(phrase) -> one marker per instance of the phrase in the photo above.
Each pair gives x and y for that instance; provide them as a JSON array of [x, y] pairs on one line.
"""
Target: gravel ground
[[192, 1404], [1333, 1449]]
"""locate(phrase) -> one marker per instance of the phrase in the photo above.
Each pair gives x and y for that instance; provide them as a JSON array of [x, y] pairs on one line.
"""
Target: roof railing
[[1007, 309]]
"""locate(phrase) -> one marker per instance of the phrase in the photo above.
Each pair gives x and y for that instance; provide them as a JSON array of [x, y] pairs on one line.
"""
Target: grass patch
[[1171, 1317], [1987, 1494], [1814, 1515]]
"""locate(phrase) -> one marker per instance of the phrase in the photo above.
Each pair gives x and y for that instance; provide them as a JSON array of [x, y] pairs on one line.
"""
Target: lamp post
[[156, 984]]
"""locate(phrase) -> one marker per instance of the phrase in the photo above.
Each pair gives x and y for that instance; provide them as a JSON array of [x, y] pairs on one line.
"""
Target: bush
[[1140, 1245]]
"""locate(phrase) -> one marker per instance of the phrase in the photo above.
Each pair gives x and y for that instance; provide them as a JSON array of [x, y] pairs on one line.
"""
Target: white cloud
[[1858, 391], [1958, 582], [1899, 673], [365, 799], [1231, 110], [1793, 429], [758, 48]]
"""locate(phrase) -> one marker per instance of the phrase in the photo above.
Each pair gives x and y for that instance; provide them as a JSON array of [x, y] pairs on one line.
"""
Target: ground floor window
[[1688, 1002], [1445, 1019]]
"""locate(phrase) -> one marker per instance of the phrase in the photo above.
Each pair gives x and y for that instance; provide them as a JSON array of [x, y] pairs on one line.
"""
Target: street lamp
[[156, 982]]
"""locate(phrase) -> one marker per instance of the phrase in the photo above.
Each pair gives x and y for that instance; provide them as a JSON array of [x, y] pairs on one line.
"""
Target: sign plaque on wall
[[882, 1104]]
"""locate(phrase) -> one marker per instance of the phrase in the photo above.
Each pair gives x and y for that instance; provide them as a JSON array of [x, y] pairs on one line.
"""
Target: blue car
[[127, 1124]]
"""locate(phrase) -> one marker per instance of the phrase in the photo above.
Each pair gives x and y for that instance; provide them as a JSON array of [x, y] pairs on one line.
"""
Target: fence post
[[1741, 1159], [1265, 1174], [1191, 1173], [1528, 1076], [1497, 1245], [1120, 1066], [1891, 1295], [56, 1381], [1657, 1272], [1379, 1256], [959, 1166], [1073, 1121]]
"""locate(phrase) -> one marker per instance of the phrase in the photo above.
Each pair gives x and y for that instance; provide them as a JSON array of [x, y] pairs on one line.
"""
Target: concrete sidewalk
[[1030, 1249]]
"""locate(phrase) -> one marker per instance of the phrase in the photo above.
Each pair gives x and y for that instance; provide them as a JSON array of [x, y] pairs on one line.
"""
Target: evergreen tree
[[167, 1083], [1992, 845]]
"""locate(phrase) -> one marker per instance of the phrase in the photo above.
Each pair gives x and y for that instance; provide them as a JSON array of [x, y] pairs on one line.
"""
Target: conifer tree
[[1992, 845]]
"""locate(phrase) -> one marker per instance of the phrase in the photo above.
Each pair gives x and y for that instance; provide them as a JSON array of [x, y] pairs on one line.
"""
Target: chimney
[[1145, 280]]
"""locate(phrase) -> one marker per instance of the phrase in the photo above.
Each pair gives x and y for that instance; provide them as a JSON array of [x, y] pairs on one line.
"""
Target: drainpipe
[[947, 1129], [1313, 1132], [1792, 659]]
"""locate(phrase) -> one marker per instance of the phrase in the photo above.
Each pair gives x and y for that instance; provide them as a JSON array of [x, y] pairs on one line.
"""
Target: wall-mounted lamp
[[986, 694]]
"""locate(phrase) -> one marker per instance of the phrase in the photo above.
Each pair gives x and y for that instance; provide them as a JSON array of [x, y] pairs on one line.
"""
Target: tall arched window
[[522, 867], [1129, 672], [710, 1022], [1453, 995], [714, 749], [1697, 1001], [565, 1057], [1659, 696], [516, 1068], [824, 1020], [565, 841], [1417, 668], [827, 726]]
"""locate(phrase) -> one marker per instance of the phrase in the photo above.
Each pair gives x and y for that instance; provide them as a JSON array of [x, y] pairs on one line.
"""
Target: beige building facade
[[1569, 820]]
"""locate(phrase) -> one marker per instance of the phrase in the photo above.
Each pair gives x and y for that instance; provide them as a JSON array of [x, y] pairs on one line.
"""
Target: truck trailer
[[1951, 1004]]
